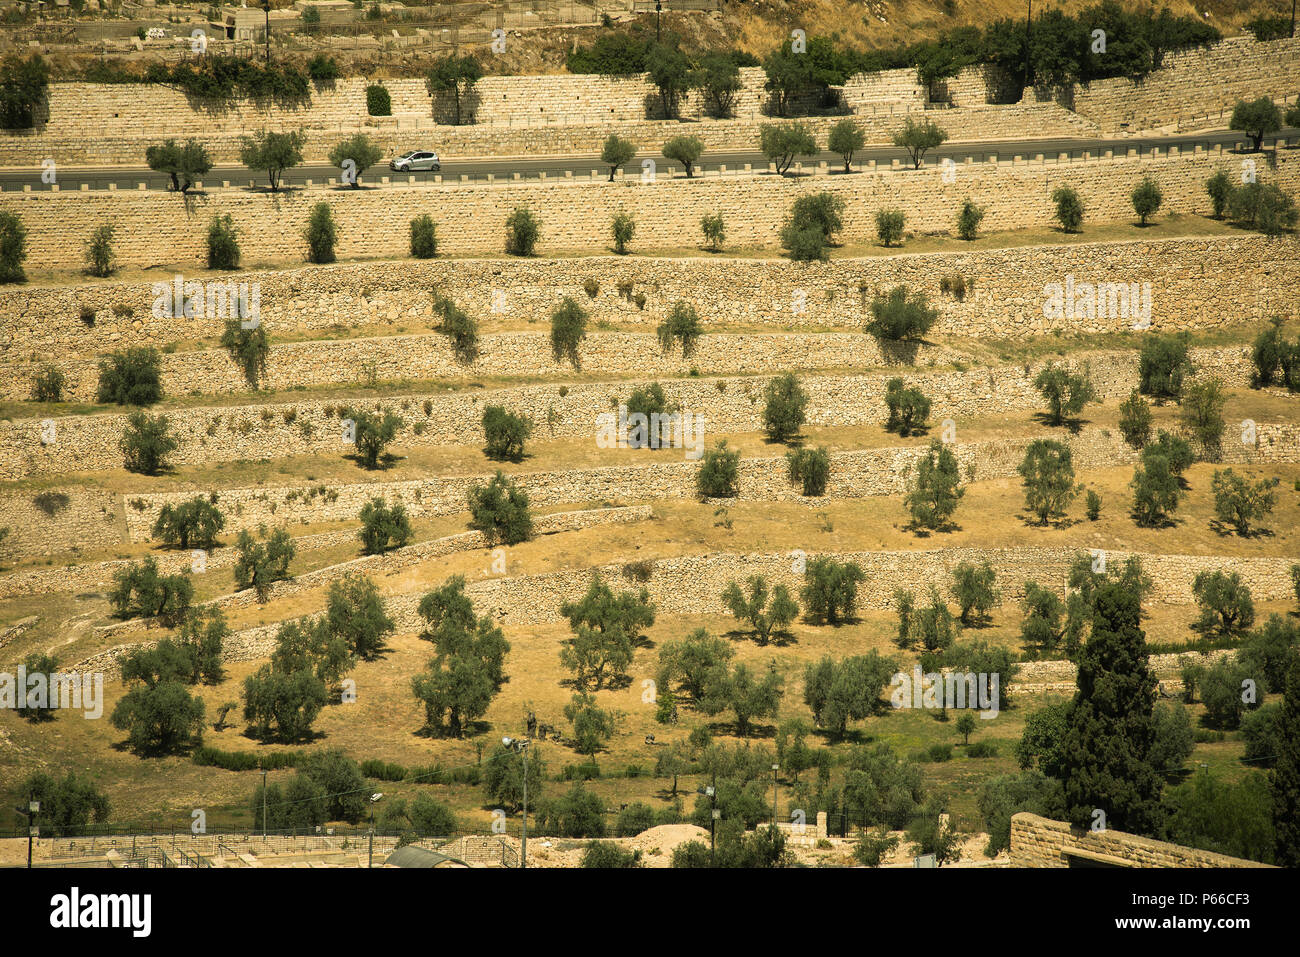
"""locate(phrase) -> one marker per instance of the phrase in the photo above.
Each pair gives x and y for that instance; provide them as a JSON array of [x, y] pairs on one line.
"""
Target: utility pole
[[31, 812], [1029, 20], [264, 805], [266, 6], [659, 8]]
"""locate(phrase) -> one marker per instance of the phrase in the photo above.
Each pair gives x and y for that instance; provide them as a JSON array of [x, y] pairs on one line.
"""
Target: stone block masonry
[[156, 228], [1196, 283], [857, 474], [1041, 842], [693, 585], [28, 447]]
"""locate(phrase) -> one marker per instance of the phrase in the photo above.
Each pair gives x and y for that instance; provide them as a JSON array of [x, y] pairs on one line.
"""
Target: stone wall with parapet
[[58, 519], [1195, 283], [856, 474], [157, 228], [30, 447], [1041, 842], [1195, 88], [693, 585]]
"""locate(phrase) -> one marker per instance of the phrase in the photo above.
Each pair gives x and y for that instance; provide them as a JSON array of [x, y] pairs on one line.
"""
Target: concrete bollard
[[112, 187], [225, 184], [85, 187], [307, 183], [143, 186]]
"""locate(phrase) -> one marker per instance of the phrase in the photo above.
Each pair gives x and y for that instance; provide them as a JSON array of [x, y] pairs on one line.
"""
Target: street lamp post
[[31, 811], [374, 798], [266, 6], [775, 768], [522, 748], [1029, 20], [659, 8]]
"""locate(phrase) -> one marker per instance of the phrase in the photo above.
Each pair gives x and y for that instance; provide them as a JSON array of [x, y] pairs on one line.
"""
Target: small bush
[[1069, 208], [623, 227], [146, 442], [889, 226], [908, 408], [1093, 504], [682, 325], [321, 234], [1135, 420], [899, 316], [223, 243], [99, 253], [249, 349], [719, 474], [48, 384], [191, 524], [131, 377], [500, 511], [523, 229], [506, 433], [1146, 198], [459, 326], [568, 329], [383, 527], [378, 101], [784, 411], [1163, 365], [714, 229], [424, 237], [969, 219], [811, 225], [811, 468], [13, 248]]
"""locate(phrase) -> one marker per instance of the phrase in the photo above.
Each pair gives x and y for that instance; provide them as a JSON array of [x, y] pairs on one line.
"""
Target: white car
[[416, 161]]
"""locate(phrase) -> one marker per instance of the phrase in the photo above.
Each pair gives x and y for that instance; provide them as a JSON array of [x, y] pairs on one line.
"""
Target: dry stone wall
[[1041, 842], [1196, 88], [693, 585], [856, 474], [156, 228], [525, 354], [30, 447], [54, 520], [1195, 283]]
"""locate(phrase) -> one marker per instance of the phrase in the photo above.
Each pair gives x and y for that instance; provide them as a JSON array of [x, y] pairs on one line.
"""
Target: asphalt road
[[71, 178]]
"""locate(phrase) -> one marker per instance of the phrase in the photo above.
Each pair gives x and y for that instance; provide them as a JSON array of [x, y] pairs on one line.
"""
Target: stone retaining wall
[[90, 442], [1195, 283], [1040, 842], [155, 228]]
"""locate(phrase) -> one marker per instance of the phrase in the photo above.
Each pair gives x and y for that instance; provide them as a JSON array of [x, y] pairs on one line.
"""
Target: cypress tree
[[1110, 726], [1285, 777]]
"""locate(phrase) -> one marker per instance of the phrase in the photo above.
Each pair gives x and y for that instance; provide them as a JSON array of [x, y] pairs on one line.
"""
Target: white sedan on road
[[416, 161]]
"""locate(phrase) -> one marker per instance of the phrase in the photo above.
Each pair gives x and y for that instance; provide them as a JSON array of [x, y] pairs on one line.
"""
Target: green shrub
[[686, 150], [1146, 198], [259, 565], [616, 152], [719, 473], [811, 468], [1220, 187], [223, 243], [506, 433], [249, 349], [1069, 208], [139, 591], [500, 511], [378, 100], [371, 432], [623, 227], [899, 316], [193, 523], [714, 229], [383, 528], [362, 153], [273, 152], [784, 409], [321, 234], [568, 329], [1162, 366], [889, 226], [830, 591], [146, 442], [1135, 420], [908, 408], [969, 219], [99, 253], [523, 229], [682, 325], [1093, 505], [48, 384], [320, 68], [459, 326], [424, 237], [131, 377], [1201, 413], [13, 247], [811, 225]]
